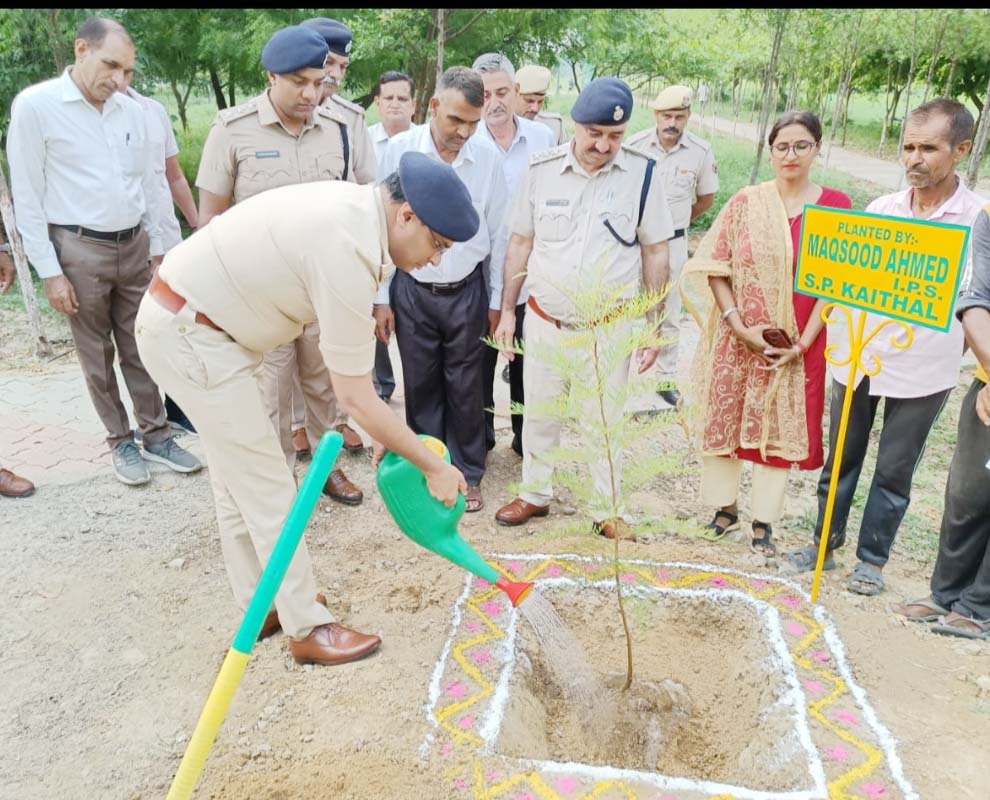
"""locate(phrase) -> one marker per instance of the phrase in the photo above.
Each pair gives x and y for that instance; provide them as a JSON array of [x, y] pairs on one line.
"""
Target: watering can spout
[[429, 523]]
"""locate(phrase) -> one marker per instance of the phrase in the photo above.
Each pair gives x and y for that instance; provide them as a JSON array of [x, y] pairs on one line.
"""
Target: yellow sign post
[[907, 270]]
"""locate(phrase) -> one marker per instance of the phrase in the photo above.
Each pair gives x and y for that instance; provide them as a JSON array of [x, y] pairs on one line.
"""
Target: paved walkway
[[876, 170]]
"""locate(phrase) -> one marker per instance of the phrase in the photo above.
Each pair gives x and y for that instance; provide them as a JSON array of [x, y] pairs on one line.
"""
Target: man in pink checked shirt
[[914, 383]]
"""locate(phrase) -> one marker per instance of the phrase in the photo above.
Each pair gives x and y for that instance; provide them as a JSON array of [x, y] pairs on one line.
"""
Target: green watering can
[[429, 523]]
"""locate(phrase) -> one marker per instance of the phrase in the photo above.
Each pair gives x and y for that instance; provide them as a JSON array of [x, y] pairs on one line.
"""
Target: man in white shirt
[[394, 97], [914, 383], [439, 312], [518, 139], [173, 190], [84, 190]]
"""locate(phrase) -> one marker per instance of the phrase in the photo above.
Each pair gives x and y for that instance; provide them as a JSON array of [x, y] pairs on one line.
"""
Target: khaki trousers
[[541, 434], [720, 486], [298, 404], [670, 328], [109, 279], [281, 365], [215, 380]]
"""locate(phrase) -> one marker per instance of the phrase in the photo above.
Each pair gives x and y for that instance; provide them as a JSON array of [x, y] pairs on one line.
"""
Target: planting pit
[[710, 698], [740, 689]]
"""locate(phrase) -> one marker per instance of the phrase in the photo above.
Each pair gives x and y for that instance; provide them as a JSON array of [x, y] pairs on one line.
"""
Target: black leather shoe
[[671, 396]]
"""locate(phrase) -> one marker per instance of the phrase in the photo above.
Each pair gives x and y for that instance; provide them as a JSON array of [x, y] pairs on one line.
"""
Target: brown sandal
[[473, 499]]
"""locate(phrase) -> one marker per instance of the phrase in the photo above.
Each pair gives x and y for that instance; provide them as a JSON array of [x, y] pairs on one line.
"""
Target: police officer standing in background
[[283, 136], [590, 201], [690, 181], [532, 84]]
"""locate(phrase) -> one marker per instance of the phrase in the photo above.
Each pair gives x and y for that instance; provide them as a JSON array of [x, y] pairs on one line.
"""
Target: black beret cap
[[292, 49], [438, 197], [337, 35], [604, 101]]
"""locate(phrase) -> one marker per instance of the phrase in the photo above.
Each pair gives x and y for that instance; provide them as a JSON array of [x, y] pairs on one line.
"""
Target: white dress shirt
[[531, 137], [72, 165], [931, 363], [479, 166], [380, 138], [162, 146]]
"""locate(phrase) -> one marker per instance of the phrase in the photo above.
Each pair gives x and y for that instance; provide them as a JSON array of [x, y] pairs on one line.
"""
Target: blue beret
[[337, 34], [604, 101], [437, 196], [294, 48]]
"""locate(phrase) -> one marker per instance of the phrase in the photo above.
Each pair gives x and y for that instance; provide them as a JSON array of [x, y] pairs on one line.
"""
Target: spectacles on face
[[801, 148], [439, 246]]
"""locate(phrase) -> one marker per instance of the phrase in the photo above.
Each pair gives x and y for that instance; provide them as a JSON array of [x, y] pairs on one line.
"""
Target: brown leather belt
[[541, 313], [173, 301]]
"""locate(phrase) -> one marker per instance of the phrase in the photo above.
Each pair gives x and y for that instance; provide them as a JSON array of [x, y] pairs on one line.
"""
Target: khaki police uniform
[[261, 274], [687, 171], [554, 122], [563, 209], [248, 151], [364, 165]]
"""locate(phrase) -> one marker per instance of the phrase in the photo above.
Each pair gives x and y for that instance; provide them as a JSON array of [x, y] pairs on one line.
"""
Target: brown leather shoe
[[614, 528], [332, 644], [339, 488], [273, 626], [352, 441], [300, 442], [12, 485], [519, 511]]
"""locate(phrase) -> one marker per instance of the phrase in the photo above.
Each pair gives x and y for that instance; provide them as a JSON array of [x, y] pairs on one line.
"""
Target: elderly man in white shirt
[[439, 312], [518, 138], [914, 383], [84, 190], [394, 97]]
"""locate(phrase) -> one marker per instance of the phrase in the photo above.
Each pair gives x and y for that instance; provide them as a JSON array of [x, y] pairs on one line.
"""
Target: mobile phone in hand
[[777, 337]]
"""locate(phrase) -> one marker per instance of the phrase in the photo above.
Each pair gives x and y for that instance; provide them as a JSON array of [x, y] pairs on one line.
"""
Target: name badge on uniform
[[558, 202], [267, 153]]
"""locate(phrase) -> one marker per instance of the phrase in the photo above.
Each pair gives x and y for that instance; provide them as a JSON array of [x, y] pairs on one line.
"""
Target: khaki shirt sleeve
[[657, 224], [218, 163], [707, 175], [343, 299], [365, 163], [521, 215]]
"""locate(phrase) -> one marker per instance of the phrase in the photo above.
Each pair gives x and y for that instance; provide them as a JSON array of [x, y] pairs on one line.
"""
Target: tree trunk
[[231, 97], [180, 103], [767, 87], [55, 41], [841, 98], [980, 144], [907, 96], [574, 74], [217, 89], [441, 23], [935, 54], [42, 347], [952, 74], [893, 98]]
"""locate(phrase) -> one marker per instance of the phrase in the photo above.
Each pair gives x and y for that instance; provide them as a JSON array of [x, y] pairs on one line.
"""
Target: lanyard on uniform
[[644, 192]]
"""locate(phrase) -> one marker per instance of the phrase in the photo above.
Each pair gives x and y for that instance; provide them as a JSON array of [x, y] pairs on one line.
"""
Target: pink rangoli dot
[[590, 566], [466, 722], [473, 626], [872, 790], [664, 574], [525, 796], [554, 571], [491, 608], [447, 749], [758, 585], [481, 656], [846, 716], [719, 581], [794, 628], [790, 600], [515, 566], [820, 656], [481, 583], [837, 753], [457, 690], [627, 577], [460, 784], [814, 687], [491, 777], [667, 797], [566, 785]]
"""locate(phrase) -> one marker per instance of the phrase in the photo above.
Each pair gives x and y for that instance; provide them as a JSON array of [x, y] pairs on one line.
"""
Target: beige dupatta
[[731, 402]]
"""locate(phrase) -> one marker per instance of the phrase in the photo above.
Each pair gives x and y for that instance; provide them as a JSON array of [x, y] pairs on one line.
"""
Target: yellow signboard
[[906, 269]]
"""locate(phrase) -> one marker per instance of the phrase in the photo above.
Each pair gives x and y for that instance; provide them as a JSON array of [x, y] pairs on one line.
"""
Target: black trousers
[[961, 579], [906, 424], [441, 365], [383, 377], [490, 358]]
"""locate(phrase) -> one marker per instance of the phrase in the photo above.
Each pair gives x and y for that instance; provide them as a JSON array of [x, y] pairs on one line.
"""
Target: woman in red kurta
[[760, 403]]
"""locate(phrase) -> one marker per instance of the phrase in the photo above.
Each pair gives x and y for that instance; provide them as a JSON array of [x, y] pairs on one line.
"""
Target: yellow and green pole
[[254, 617]]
